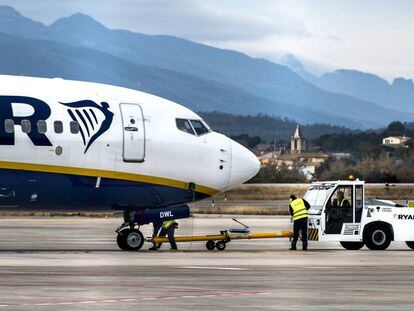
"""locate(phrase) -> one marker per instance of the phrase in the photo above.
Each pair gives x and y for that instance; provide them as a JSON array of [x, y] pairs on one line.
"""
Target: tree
[[394, 128], [246, 140], [272, 173]]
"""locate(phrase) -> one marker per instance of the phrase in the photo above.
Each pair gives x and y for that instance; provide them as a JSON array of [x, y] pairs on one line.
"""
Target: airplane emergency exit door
[[134, 133]]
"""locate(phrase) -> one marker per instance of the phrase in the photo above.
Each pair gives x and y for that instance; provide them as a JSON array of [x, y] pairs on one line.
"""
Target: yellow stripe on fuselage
[[104, 174]]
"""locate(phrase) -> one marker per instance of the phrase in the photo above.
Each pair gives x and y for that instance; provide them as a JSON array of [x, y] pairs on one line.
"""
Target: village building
[[395, 141], [298, 157]]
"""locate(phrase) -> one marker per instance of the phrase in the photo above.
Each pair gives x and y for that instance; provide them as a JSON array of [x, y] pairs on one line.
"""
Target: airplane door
[[133, 132]]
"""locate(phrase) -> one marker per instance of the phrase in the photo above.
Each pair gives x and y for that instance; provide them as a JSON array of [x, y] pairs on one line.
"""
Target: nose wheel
[[130, 239]]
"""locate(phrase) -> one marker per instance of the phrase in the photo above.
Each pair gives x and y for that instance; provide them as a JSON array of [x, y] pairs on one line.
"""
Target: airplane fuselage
[[82, 146]]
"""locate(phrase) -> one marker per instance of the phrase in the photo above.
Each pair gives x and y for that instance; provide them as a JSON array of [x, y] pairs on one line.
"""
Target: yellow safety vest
[[166, 224], [342, 202], [299, 209]]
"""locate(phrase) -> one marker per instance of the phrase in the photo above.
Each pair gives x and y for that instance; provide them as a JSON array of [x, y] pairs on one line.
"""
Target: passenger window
[[74, 127], [26, 126], [184, 125], [41, 126], [58, 125], [9, 126], [199, 127]]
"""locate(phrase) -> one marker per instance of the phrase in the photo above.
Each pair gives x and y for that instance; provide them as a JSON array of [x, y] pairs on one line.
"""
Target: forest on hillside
[[268, 128]]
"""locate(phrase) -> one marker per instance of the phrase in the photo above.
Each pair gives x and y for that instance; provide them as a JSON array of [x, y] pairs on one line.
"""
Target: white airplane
[[70, 145]]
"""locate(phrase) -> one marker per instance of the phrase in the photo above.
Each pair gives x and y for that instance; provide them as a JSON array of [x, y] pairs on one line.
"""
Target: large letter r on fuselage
[[41, 112]]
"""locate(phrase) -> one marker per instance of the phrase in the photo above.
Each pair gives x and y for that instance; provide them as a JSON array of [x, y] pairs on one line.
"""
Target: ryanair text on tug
[[69, 145]]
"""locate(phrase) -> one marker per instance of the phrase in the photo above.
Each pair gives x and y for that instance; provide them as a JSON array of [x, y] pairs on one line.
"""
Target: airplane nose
[[244, 164]]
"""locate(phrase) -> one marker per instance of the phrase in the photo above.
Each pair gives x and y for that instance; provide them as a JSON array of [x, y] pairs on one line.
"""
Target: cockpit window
[[184, 125], [199, 127]]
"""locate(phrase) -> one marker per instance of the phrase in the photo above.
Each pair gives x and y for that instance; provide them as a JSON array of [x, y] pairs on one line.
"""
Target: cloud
[[193, 19], [202, 21]]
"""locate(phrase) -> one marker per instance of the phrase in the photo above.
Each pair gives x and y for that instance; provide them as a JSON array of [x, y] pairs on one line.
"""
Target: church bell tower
[[297, 142]]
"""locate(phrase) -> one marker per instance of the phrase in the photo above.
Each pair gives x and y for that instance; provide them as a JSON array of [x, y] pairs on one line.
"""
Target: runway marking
[[320, 267], [214, 268], [131, 299], [123, 285]]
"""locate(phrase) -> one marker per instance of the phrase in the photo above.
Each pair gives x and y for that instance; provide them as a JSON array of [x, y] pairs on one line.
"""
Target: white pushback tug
[[339, 212]]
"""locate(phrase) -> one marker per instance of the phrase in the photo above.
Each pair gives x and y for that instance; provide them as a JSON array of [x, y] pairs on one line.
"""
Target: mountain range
[[198, 76], [398, 95]]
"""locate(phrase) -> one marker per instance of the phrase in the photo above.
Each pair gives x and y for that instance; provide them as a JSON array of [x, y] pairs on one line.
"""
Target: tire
[[130, 240], [120, 241], [410, 244], [377, 237], [211, 245], [221, 245], [352, 246]]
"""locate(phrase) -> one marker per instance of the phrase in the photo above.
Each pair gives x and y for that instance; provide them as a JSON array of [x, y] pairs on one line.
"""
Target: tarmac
[[74, 264]]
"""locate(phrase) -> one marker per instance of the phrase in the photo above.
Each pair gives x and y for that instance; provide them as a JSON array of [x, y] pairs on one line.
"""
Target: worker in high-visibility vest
[[167, 228], [157, 225], [298, 209], [342, 201]]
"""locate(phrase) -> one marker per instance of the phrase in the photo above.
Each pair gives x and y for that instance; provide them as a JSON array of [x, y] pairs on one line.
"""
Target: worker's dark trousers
[[170, 232], [300, 225]]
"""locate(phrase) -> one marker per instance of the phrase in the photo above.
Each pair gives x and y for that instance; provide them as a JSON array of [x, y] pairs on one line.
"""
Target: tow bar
[[219, 241]]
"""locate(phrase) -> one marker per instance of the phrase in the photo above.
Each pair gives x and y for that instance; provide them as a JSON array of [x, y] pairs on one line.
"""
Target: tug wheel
[[221, 245], [410, 244], [211, 245], [352, 246], [130, 240], [377, 238]]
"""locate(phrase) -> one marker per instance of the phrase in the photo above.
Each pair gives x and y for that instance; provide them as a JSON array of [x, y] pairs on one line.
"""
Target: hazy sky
[[369, 35]]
